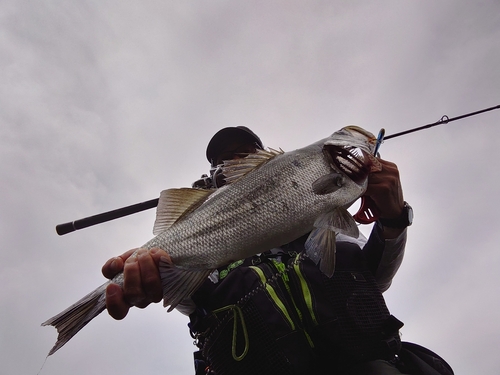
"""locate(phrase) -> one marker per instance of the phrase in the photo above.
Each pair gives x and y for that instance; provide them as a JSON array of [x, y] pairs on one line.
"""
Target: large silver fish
[[271, 198]]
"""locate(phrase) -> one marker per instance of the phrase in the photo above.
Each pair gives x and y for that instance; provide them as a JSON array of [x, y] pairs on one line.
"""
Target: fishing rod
[[368, 211], [72, 226], [444, 120]]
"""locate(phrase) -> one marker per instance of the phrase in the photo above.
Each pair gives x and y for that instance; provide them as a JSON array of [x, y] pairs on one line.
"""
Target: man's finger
[[115, 265], [133, 292], [115, 304], [150, 277]]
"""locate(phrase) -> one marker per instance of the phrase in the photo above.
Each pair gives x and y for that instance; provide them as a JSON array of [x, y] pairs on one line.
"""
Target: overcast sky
[[106, 103]]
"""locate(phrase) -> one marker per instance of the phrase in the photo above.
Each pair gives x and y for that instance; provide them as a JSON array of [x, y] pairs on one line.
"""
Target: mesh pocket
[[361, 312], [262, 356]]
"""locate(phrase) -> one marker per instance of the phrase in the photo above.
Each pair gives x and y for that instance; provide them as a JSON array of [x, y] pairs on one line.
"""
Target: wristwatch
[[402, 221]]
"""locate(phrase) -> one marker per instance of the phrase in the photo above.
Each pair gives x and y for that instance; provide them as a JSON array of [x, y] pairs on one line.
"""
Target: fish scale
[[260, 207]]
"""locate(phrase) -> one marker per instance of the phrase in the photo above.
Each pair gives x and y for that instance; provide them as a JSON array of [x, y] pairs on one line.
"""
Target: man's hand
[[384, 188], [142, 282]]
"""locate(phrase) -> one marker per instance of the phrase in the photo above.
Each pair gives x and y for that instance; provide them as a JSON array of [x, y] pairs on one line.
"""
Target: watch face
[[410, 213]]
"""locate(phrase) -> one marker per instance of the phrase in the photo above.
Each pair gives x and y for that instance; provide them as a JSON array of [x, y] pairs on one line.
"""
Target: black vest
[[285, 317]]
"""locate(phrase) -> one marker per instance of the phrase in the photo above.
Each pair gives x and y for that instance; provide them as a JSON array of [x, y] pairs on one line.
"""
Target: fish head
[[350, 152], [353, 136]]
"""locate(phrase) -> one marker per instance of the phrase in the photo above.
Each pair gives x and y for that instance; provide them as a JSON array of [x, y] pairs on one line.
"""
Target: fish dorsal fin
[[174, 203], [235, 169]]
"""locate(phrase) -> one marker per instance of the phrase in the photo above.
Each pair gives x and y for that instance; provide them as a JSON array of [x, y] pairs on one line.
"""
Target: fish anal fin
[[179, 283], [235, 169], [174, 203]]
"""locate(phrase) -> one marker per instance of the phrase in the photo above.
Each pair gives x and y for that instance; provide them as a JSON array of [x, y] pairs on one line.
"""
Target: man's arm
[[385, 247], [384, 256]]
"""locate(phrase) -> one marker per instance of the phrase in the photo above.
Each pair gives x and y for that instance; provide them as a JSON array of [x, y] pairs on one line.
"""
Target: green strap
[[274, 296], [306, 292], [280, 266], [237, 313]]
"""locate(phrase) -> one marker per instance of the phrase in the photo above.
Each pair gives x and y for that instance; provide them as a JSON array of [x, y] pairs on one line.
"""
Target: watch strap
[[402, 221]]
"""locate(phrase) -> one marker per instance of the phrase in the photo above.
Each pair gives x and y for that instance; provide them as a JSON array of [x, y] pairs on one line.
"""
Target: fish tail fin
[[75, 317]]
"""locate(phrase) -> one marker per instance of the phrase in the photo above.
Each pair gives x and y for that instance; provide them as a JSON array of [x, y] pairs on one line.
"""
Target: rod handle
[[65, 228], [105, 216]]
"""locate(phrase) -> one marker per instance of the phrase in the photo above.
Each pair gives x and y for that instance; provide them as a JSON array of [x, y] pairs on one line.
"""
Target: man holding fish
[[276, 312]]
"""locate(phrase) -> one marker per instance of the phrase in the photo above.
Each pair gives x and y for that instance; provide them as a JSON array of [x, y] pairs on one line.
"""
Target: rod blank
[[443, 120]]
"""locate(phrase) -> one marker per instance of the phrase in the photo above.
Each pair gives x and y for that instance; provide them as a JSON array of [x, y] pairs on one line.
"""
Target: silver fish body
[[271, 206], [271, 198]]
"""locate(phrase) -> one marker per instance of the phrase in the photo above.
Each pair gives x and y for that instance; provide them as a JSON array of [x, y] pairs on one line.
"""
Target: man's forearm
[[384, 252]]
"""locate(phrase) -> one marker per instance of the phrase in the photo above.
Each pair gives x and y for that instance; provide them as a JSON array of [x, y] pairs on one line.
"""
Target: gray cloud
[[106, 104]]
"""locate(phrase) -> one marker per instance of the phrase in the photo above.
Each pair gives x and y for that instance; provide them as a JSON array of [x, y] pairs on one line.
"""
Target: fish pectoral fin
[[174, 203], [235, 169], [321, 248], [328, 183], [179, 283]]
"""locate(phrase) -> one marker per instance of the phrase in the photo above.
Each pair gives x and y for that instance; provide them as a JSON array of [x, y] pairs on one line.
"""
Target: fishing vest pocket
[[275, 278], [242, 343], [348, 310], [260, 332]]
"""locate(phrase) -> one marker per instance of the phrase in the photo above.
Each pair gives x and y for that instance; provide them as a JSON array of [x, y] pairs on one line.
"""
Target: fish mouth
[[354, 162], [360, 133]]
